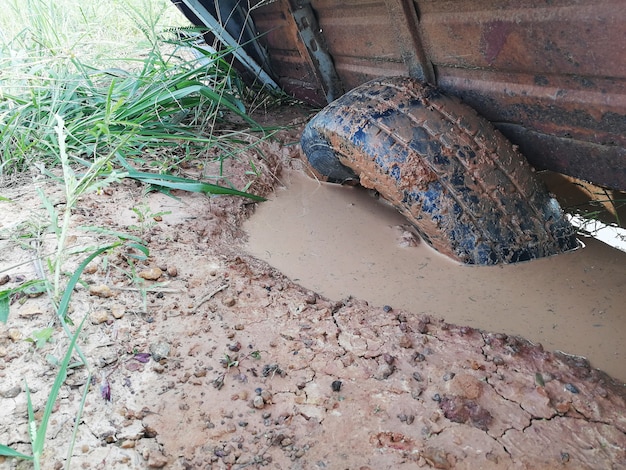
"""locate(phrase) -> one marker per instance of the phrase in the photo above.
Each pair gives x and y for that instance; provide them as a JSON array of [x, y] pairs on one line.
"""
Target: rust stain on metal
[[493, 38]]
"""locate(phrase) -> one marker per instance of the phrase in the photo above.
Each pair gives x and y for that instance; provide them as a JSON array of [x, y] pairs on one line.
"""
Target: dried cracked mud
[[229, 364]]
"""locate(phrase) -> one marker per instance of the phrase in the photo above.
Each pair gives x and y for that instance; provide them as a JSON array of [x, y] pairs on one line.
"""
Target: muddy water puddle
[[341, 241]]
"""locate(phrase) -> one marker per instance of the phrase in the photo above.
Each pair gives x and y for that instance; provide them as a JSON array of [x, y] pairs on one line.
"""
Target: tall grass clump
[[160, 96]]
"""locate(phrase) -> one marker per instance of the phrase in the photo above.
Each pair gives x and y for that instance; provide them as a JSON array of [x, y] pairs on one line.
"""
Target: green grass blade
[[67, 294], [193, 186], [4, 306], [9, 452], [113, 233], [54, 392], [32, 424], [185, 184]]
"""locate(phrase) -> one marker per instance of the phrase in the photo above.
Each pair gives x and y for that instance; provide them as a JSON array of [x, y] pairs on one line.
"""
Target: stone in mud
[[384, 371], [436, 458], [156, 460], [461, 410], [258, 402], [405, 341], [118, 311]]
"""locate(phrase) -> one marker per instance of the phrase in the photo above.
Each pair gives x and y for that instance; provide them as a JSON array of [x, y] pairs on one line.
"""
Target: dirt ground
[[217, 360]]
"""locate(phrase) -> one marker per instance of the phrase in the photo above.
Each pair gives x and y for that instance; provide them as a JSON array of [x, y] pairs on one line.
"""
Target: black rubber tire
[[464, 187]]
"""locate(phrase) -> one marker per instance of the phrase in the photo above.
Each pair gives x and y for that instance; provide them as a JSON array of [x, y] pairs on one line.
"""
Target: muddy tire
[[463, 186]]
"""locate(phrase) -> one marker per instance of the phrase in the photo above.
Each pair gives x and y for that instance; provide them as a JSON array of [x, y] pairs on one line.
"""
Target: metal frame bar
[[220, 32]]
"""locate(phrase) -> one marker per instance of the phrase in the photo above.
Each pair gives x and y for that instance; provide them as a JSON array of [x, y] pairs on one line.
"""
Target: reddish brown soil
[[247, 370]]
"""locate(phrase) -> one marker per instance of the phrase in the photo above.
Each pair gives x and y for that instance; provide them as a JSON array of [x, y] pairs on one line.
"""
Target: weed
[[146, 218], [40, 337]]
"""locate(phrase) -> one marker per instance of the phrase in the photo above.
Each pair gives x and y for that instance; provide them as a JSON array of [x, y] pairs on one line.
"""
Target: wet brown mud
[[341, 241]]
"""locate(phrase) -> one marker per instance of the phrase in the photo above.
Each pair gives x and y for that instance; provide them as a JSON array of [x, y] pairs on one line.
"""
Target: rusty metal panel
[[550, 74], [579, 38], [359, 38]]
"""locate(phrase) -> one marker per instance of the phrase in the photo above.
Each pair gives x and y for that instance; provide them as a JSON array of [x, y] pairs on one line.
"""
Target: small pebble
[[159, 351], [172, 271], [571, 388], [498, 361], [228, 301], [384, 370], [448, 376], [336, 385], [4, 279], [15, 334], [258, 402], [405, 341], [91, 268], [387, 308], [11, 392], [118, 311], [266, 395], [419, 357], [151, 274], [127, 444]]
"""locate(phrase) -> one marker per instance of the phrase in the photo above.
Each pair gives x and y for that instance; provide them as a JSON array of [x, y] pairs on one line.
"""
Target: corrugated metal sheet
[[551, 74]]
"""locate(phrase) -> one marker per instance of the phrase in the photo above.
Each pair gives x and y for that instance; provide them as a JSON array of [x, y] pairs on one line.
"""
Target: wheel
[[464, 187]]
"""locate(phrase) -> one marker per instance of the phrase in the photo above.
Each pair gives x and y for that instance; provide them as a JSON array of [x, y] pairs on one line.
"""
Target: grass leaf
[[9, 452]]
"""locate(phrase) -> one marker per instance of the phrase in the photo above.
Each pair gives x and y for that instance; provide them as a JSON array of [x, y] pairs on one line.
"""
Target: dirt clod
[[101, 290], [99, 316]]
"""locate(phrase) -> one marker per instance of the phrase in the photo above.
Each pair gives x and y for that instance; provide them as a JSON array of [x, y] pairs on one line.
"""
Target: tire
[[463, 186]]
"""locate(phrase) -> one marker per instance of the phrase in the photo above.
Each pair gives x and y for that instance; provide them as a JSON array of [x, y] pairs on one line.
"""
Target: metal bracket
[[311, 36]]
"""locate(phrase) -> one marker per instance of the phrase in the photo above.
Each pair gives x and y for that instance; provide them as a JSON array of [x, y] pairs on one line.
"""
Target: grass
[[87, 117], [161, 97]]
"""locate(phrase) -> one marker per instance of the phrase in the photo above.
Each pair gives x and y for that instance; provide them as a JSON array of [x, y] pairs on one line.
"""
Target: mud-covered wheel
[[462, 184]]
